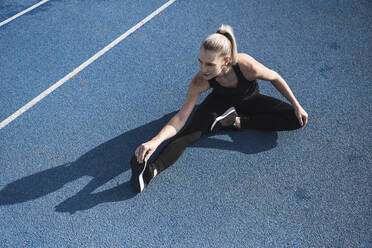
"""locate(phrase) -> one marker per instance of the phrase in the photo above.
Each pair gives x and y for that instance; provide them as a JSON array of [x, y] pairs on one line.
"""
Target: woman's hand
[[302, 116], [197, 86], [144, 151]]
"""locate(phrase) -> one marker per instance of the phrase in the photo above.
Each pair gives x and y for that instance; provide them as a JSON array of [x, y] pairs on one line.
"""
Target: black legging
[[256, 112]]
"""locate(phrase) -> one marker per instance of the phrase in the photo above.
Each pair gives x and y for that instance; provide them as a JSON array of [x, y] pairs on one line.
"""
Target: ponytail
[[224, 41], [227, 31]]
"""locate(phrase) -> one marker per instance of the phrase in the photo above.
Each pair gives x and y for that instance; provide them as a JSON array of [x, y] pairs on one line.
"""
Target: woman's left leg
[[205, 114]]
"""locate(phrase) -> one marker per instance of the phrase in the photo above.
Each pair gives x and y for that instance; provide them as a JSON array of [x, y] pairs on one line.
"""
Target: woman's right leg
[[204, 116], [263, 112]]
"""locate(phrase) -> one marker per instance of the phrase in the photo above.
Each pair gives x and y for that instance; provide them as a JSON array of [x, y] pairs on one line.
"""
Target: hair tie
[[219, 32], [224, 34]]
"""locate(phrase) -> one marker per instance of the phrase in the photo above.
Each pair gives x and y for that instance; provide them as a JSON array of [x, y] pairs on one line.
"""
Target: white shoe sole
[[227, 112], [142, 183], [138, 182]]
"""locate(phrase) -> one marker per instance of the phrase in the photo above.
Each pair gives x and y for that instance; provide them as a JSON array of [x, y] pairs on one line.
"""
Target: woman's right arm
[[196, 88]]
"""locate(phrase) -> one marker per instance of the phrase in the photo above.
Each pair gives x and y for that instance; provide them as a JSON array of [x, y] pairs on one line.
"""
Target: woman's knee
[[189, 136], [293, 122]]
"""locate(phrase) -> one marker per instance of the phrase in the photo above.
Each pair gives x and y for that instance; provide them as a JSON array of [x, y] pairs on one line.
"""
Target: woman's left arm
[[256, 70]]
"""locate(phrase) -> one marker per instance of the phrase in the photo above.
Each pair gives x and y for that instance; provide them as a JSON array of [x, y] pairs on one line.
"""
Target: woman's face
[[211, 63]]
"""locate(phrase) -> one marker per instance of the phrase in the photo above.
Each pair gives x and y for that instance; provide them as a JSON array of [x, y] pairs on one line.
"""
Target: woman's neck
[[225, 74]]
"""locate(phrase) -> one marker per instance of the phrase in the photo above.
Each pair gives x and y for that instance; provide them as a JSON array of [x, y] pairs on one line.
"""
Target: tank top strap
[[239, 73], [241, 79], [213, 83]]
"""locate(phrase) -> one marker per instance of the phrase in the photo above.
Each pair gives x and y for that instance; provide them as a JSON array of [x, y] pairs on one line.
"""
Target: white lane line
[[82, 66], [23, 12]]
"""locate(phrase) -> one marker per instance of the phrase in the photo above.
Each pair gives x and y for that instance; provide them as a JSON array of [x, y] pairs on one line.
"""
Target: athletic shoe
[[141, 174], [225, 121]]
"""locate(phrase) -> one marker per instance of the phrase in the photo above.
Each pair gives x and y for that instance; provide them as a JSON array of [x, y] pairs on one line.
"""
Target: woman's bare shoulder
[[247, 65], [246, 59], [199, 84]]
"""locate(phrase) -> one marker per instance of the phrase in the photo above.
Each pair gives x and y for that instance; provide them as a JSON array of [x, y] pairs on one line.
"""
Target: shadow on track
[[109, 160]]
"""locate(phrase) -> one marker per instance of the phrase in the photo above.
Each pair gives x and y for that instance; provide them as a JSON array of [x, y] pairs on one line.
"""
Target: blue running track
[[64, 163]]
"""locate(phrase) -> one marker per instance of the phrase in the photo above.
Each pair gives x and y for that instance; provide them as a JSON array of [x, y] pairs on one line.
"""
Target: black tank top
[[244, 87]]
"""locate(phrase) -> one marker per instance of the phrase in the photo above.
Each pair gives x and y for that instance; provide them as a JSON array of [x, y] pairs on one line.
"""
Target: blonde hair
[[223, 41]]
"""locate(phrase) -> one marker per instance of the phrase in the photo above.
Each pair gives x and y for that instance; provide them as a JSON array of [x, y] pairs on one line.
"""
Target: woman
[[235, 103]]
